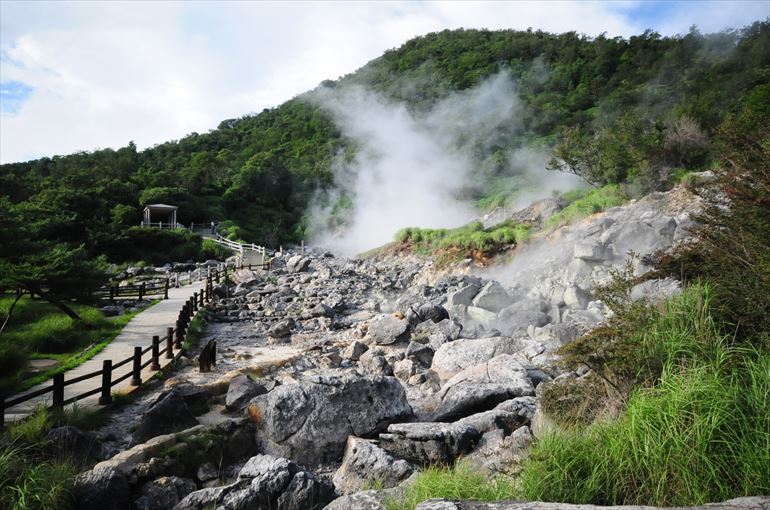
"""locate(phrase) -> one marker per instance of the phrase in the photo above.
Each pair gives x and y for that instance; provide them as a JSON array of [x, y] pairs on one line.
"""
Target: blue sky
[[84, 75]]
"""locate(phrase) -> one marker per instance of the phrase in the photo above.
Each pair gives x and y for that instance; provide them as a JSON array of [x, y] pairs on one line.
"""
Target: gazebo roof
[[161, 207]]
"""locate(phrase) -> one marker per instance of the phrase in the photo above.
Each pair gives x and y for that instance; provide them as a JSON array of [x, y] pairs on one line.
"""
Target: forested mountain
[[633, 111]]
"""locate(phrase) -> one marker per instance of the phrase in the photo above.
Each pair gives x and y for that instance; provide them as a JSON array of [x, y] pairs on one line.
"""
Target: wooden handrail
[[173, 339]]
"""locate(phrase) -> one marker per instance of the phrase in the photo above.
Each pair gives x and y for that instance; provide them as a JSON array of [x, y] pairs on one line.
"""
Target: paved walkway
[[138, 332]]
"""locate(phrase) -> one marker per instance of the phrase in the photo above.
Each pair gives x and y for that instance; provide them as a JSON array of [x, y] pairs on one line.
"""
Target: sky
[[79, 76]]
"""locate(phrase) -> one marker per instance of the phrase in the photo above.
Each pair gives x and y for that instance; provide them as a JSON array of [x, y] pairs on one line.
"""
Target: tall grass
[[585, 202], [458, 482], [701, 434], [29, 481], [472, 236]]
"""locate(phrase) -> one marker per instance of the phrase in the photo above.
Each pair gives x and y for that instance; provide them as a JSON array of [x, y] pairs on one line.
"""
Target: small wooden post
[[195, 302], [200, 299], [141, 291], [106, 397], [216, 275], [179, 333], [58, 391], [169, 343], [165, 289], [112, 294], [136, 374], [155, 365]]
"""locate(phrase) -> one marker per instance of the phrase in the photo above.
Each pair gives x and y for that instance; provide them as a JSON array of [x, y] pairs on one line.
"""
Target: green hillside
[[639, 111]]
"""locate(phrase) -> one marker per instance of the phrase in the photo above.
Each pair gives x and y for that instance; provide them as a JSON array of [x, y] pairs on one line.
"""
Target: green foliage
[[31, 481], [471, 240], [585, 202], [626, 109], [701, 435], [38, 329], [156, 246], [732, 248], [458, 482]]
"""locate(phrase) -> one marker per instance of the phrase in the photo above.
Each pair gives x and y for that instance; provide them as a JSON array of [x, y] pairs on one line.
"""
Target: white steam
[[412, 169]]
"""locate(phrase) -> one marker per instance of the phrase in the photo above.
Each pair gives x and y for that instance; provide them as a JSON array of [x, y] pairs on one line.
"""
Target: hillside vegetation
[[636, 111]]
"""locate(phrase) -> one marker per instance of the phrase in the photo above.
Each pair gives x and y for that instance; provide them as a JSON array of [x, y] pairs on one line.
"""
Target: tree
[[32, 259]]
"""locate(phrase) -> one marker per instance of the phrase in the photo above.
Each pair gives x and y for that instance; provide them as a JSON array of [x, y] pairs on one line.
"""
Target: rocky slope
[[334, 375]]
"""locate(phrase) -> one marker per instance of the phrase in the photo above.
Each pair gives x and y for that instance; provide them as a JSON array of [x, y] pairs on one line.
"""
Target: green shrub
[[584, 203], [458, 482], [471, 240], [695, 425], [701, 435], [30, 481]]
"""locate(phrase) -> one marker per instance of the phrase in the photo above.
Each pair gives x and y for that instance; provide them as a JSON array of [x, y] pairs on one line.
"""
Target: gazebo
[[165, 212]]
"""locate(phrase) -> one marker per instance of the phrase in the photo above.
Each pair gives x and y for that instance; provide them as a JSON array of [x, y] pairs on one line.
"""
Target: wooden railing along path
[[141, 358]]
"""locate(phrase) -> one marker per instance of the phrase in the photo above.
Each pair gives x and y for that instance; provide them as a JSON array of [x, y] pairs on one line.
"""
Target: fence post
[[178, 336], [136, 374], [169, 343], [165, 290], [195, 302], [141, 291], [106, 396], [200, 299], [112, 294], [155, 365], [58, 391]]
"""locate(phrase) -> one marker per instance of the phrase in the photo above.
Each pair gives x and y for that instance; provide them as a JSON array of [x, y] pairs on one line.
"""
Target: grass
[[30, 481], [30, 477], [471, 240], [585, 202], [195, 330], [458, 482], [700, 434], [38, 330]]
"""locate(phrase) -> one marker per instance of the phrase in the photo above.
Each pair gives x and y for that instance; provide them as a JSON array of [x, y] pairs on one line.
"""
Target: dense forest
[[638, 111]]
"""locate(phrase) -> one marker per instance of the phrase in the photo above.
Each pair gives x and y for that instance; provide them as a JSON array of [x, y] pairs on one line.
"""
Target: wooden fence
[[173, 339]]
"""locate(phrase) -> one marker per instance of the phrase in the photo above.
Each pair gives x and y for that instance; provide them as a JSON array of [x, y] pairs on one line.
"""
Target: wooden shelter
[[164, 213]]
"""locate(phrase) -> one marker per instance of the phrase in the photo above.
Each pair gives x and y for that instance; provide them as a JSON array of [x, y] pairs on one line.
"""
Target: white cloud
[[109, 72]]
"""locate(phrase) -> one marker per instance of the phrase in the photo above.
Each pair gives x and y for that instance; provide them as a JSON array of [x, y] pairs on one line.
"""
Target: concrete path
[[138, 332]]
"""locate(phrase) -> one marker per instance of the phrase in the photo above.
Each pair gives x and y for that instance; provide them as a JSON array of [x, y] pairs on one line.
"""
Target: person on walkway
[[213, 227]]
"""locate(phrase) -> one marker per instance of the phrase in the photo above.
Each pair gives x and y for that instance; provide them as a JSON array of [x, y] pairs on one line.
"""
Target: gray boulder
[[429, 443], [366, 500], [242, 389], [426, 312], [281, 329], [462, 297], [169, 414], [297, 264], [164, 493], [102, 488], [482, 387], [322, 310], [451, 358], [245, 277], [372, 362], [68, 441], [306, 491], [311, 421], [354, 351], [481, 315], [365, 463], [492, 297], [388, 330], [420, 353], [204, 499]]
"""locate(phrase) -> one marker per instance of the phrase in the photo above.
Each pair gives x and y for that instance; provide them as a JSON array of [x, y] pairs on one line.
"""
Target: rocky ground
[[335, 375]]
